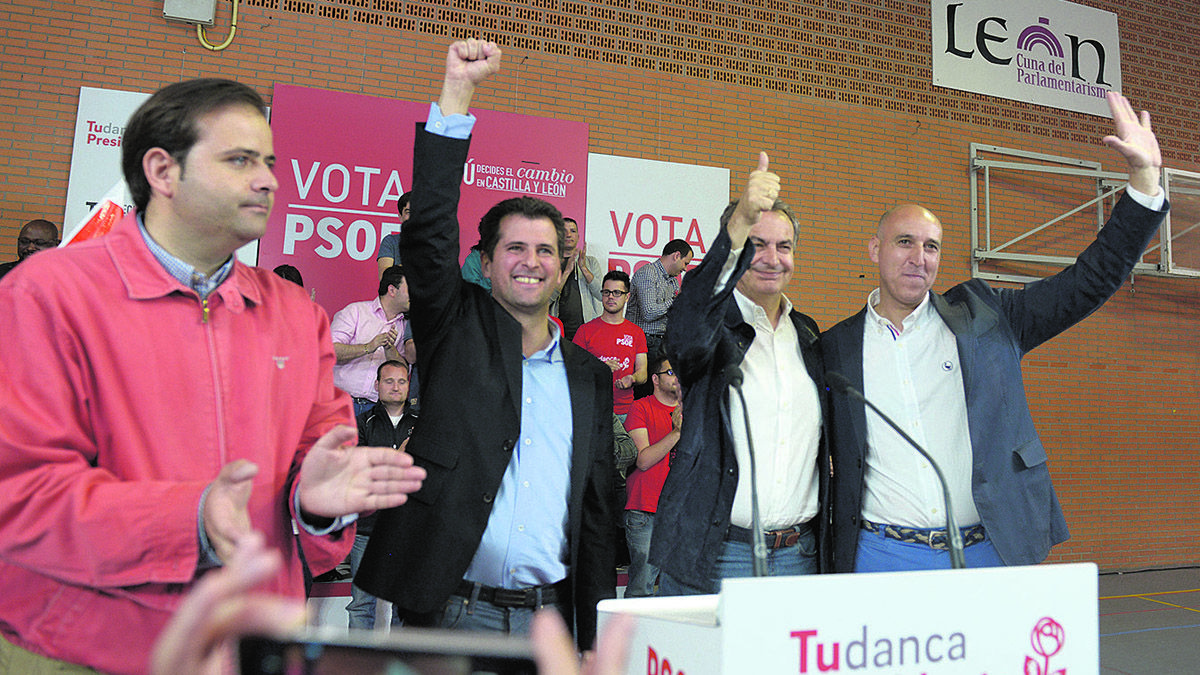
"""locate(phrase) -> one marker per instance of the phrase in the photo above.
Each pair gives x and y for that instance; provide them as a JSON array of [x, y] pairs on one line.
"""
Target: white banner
[[636, 206], [1036, 620], [96, 152], [1049, 52]]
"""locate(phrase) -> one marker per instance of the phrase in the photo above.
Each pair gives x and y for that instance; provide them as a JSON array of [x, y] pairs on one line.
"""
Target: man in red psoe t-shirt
[[616, 341]]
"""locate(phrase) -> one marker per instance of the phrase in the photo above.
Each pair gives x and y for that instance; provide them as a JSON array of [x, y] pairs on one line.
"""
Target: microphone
[[957, 559], [735, 378]]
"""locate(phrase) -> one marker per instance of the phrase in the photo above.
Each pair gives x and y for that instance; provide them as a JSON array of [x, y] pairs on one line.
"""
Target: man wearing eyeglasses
[[35, 236], [616, 341], [653, 424]]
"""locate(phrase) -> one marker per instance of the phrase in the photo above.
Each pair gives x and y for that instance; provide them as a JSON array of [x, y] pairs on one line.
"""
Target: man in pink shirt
[[653, 424], [616, 341], [365, 334]]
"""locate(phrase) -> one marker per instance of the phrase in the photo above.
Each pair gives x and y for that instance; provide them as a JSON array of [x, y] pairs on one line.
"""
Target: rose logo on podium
[[1047, 640]]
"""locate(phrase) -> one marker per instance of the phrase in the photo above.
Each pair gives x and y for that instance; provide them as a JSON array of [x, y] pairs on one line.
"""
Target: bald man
[[947, 367], [35, 236]]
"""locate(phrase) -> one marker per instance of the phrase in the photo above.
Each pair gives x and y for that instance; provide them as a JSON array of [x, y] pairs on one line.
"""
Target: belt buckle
[[780, 537], [939, 540], [508, 597], [527, 597], [784, 538]]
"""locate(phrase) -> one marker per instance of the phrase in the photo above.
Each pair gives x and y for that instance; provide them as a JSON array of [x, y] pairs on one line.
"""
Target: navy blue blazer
[[994, 328]]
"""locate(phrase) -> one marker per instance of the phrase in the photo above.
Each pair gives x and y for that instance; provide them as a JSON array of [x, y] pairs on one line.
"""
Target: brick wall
[[837, 91]]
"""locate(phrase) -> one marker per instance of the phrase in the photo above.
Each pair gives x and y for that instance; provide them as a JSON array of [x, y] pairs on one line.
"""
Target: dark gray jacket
[[705, 334]]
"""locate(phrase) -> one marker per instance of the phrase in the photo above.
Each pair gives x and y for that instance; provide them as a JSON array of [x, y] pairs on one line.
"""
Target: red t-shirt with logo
[[620, 342]]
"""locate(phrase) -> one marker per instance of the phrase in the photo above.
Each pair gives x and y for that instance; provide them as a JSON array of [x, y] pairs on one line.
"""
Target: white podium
[[1036, 620]]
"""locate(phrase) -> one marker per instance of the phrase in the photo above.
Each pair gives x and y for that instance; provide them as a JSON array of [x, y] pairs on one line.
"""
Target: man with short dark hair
[[291, 273], [616, 341], [653, 424], [365, 334], [654, 287], [472, 269], [516, 428], [578, 300], [36, 235], [387, 424], [389, 246], [160, 402]]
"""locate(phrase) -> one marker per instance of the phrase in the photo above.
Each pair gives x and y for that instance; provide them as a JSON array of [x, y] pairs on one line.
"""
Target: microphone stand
[[733, 374], [954, 535]]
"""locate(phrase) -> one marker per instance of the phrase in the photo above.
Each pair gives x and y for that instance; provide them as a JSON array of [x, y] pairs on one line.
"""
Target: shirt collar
[[180, 270], [553, 351], [661, 269], [915, 319], [752, 313]]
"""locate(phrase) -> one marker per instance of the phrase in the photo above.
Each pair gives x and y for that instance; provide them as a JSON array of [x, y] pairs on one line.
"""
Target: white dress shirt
[[914, 376], [785, 417]]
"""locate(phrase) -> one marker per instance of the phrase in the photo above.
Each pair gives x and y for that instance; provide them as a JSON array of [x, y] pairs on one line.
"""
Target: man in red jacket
[[160, 402]]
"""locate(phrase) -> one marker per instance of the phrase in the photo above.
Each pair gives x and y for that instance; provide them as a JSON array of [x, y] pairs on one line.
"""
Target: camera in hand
[[409, 651]]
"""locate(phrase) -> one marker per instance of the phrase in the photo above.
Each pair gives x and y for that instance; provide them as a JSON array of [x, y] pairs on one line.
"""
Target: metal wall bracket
[[1176, 251]]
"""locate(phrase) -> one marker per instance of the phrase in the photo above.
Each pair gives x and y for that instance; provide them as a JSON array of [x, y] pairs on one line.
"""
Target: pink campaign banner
[[343, 160]]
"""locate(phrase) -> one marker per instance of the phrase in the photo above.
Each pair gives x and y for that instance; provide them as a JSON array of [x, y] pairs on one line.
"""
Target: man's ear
[[161, 170], [485, 265], [873, 249]]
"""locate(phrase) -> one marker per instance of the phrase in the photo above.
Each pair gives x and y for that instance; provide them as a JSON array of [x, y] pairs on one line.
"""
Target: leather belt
[[533, 598], [784, 538], [933, 538]]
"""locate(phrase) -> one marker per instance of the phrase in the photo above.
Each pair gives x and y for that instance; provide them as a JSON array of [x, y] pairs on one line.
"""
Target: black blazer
[[469, 356]]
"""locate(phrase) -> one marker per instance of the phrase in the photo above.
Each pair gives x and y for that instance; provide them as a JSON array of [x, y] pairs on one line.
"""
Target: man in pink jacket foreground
[[160, 402]]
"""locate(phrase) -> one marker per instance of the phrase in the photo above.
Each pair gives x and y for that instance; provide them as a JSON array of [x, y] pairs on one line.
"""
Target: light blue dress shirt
[[525, 541]]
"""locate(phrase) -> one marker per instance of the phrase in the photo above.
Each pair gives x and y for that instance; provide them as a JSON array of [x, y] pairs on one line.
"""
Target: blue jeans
[[736, 560], [877, 553], [361, 607], [639, 526]]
